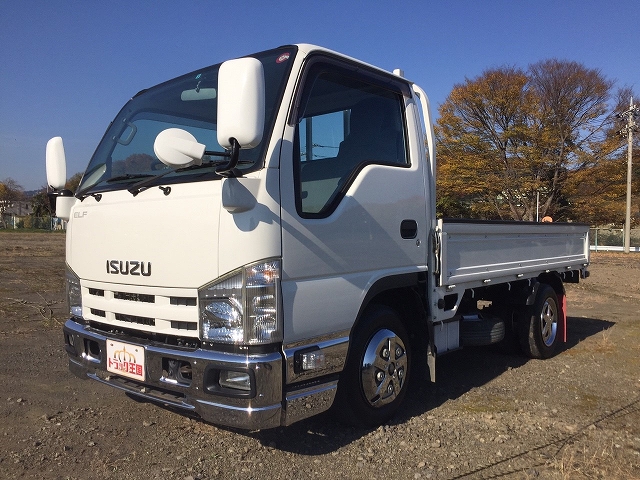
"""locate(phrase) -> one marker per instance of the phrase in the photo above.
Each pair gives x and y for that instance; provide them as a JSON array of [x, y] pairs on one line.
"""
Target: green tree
[[40, 206], [10, 193]]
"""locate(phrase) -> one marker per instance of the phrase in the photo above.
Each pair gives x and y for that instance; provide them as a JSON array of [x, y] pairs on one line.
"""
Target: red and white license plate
[[125, 359]]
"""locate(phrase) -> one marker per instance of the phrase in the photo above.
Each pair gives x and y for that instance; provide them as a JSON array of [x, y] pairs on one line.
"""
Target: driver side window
[[348, 122]]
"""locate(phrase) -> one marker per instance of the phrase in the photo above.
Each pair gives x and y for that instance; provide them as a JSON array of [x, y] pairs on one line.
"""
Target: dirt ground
[[490, 415]]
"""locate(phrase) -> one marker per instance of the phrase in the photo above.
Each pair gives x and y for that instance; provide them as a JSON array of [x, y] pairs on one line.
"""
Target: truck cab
[[256, 241]]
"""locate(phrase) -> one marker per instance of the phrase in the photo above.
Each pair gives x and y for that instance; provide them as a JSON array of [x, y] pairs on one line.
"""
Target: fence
[[28, 222], [612, 239]]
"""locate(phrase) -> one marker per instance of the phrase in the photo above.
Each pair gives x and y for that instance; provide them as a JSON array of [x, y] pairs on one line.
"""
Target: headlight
[[242, 308], [74, 293]]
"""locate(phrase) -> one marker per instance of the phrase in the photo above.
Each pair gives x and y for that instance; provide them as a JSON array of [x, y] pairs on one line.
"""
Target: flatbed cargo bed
[[477, 253]]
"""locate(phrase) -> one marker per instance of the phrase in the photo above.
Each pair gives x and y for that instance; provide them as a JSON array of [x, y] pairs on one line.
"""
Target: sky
[[67, 67]]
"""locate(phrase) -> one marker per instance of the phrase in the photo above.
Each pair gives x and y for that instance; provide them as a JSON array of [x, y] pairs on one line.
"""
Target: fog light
[[308, 359], [312, 360], [235, 380]]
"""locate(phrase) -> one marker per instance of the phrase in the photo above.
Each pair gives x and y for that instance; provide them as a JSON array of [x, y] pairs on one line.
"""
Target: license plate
[[125, 359]]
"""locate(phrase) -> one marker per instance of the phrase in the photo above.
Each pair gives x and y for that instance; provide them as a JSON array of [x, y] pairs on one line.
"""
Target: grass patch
[[604, 343], [605, 461]]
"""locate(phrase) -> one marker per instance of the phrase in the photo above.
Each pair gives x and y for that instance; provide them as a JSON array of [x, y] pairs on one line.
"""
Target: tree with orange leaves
[[509, 140]]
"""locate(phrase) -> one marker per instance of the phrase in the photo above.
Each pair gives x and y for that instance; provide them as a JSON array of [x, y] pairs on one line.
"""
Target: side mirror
[[56, 164], [61, 200], [178, 148], [241, 102]]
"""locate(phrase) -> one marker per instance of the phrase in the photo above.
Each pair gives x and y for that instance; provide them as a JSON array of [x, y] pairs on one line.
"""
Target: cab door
[[353, 195]]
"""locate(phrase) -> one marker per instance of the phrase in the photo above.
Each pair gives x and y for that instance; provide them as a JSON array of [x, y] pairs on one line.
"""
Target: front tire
[[538, 328], [375, 379]]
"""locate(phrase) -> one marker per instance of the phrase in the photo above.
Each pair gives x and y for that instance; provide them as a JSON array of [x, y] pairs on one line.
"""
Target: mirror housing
[[178, 148], [241, 102], [56, 164], [61, 202]]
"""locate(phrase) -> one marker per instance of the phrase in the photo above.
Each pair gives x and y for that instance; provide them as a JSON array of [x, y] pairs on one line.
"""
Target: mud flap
[[431, 362], [431, 354], [562, 317]]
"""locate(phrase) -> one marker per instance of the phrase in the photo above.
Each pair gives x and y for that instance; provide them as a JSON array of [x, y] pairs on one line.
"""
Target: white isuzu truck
[[256, 242]]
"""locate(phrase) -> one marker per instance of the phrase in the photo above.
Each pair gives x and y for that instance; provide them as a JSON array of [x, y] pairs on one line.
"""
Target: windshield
[[189, 102]]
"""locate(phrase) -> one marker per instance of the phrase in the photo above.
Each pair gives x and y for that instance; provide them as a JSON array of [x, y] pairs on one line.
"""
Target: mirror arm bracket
[[229, 170]]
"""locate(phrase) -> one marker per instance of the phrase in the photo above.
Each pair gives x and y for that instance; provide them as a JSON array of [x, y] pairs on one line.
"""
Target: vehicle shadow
[[579, 329], [457, 373]]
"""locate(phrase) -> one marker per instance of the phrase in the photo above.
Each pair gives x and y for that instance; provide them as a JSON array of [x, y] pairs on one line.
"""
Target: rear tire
[[375, 379], [538, 327]]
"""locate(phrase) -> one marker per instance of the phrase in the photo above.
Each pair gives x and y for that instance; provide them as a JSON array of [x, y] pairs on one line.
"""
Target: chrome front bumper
[[267, 405]]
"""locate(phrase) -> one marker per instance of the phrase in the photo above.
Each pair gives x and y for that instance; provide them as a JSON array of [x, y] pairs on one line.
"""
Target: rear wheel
[[375, 379], [538, 327]]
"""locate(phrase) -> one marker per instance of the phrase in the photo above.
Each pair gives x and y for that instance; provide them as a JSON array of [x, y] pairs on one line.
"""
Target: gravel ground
[[490, 415]]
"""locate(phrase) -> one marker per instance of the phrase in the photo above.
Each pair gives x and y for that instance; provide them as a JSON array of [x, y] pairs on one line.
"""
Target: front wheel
[[375, 379], [538, 326]]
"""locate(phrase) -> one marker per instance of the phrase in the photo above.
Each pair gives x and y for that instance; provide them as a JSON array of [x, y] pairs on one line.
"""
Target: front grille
[[148, 310], [185, 301], [157, 339], [184, 325], [134, 297], [133, 319]]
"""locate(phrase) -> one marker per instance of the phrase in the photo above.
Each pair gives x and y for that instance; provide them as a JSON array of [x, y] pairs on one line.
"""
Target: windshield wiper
[[127, 176], [226, 168], [138, 187]]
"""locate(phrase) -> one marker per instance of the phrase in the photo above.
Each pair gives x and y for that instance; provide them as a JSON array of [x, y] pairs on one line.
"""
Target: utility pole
[[627, 131]]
